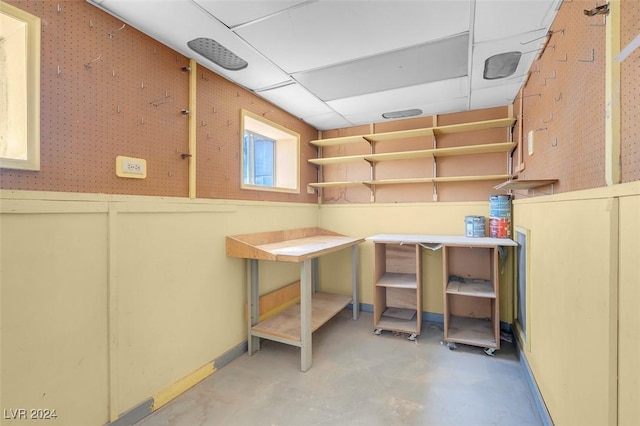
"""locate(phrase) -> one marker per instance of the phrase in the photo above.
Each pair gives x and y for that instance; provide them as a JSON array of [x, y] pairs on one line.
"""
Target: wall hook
[[209, 136], [563, 60], [559, 97], [88, 64], [184, 156], [593, 57], [58, 8], [549, 120], [111, 34], [203, 124], [220, 147], [58, 70], [185, 112], [555, 142], [598, 10], [540, 129], [186, 69]]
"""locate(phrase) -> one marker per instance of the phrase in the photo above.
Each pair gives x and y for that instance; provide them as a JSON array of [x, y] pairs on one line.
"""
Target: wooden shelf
[[424, 153], [471, 287], [430, 131], [374, 158], [525, 184], [399, 325], [410, 180], [286, 324], [472, 331], [398, 280]]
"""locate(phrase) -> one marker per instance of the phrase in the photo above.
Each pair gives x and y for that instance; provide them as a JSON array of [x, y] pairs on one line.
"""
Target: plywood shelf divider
[[397, 280], [475, 288]]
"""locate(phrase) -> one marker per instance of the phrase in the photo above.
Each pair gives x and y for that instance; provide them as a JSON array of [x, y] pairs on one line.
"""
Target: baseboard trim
[[541, 407]]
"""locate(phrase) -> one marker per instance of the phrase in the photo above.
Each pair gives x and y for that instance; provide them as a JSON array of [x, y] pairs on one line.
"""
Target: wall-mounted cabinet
[[430, 135]]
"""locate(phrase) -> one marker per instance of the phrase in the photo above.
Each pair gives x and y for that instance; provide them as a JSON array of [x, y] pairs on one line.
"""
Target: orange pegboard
[[109, 90], [630, 93]]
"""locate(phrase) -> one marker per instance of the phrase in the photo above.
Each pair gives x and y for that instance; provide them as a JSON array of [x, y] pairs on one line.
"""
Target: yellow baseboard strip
[[179, 387]]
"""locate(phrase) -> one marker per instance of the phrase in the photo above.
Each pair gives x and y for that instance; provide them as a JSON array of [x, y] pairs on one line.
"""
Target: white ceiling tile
[[329, 32], [521, 43], [500, 18], [178, 21], [295, 99], [494, 96], [401, 68], [231, 15], [401, 99], [328, 121]]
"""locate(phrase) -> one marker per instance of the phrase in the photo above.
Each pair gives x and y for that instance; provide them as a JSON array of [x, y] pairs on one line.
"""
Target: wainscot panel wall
[[108, 301]]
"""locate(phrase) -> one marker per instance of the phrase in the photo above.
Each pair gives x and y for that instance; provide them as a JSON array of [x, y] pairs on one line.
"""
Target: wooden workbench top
[[296, 245]]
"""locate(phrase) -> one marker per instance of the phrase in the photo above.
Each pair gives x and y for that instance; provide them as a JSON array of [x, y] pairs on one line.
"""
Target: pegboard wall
[[630, 93], [109, 90], [563, 102]]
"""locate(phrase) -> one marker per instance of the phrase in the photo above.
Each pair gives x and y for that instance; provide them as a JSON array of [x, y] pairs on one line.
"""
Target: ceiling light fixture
[[402, 114], [217, 53], [501, 65]]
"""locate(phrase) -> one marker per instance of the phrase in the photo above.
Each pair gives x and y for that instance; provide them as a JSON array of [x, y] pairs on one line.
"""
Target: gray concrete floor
[[358, 378]]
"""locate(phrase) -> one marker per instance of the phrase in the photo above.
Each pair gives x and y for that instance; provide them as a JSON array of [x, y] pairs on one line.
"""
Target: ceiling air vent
[[501, 65], [402, 114], [217, 53]]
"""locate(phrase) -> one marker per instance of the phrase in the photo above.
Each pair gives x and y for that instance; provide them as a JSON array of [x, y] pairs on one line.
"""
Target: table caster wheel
[[451, 346], [412, 337], [377, 331]]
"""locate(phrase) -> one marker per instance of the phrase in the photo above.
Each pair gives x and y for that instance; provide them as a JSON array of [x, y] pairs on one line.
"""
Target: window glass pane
[[270, 155]]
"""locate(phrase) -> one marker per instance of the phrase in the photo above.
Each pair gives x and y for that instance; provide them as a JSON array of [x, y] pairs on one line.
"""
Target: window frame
[[31, 70], [286, 168]]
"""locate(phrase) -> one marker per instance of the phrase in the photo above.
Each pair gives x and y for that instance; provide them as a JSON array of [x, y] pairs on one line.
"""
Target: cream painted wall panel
[[572, 333], [53, 278], [181, 300], [629, 326]]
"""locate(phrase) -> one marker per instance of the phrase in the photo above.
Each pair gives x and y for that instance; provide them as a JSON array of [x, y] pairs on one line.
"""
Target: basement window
[[19, 89], [270, 155]]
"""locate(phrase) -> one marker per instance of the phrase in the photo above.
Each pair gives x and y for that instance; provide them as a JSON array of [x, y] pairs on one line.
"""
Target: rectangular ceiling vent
[[217, 53]]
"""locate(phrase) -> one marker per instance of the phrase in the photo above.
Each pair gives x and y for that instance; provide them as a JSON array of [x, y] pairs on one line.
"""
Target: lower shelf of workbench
[[285, 326]]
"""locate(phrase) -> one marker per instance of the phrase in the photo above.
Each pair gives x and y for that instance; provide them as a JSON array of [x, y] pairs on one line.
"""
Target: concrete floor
[[358, 378]]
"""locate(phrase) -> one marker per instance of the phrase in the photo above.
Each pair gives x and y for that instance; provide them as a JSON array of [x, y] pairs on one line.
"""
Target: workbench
[[295, 325]]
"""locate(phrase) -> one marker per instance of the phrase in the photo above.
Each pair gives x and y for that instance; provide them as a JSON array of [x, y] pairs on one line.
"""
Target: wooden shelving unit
[[472, 293], [397, 304], [373, 158], [295, 324], [471, 284]]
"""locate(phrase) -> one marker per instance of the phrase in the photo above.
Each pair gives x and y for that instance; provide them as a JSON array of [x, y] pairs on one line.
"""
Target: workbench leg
[[305, 315], [354, 278], [315, 273], [253, 307]]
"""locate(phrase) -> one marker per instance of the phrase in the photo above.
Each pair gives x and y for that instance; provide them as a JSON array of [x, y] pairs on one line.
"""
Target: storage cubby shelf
[[397, 280], [475, 288]]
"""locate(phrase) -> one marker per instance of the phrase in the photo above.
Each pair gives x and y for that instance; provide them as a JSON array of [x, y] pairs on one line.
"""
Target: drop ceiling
[[340, 63]]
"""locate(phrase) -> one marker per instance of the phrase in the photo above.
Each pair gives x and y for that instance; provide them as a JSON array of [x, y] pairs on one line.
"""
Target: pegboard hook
[[88, 64], [117, 30]]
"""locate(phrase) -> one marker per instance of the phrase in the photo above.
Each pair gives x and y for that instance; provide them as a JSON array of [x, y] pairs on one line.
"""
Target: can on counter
[[474, 226]]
